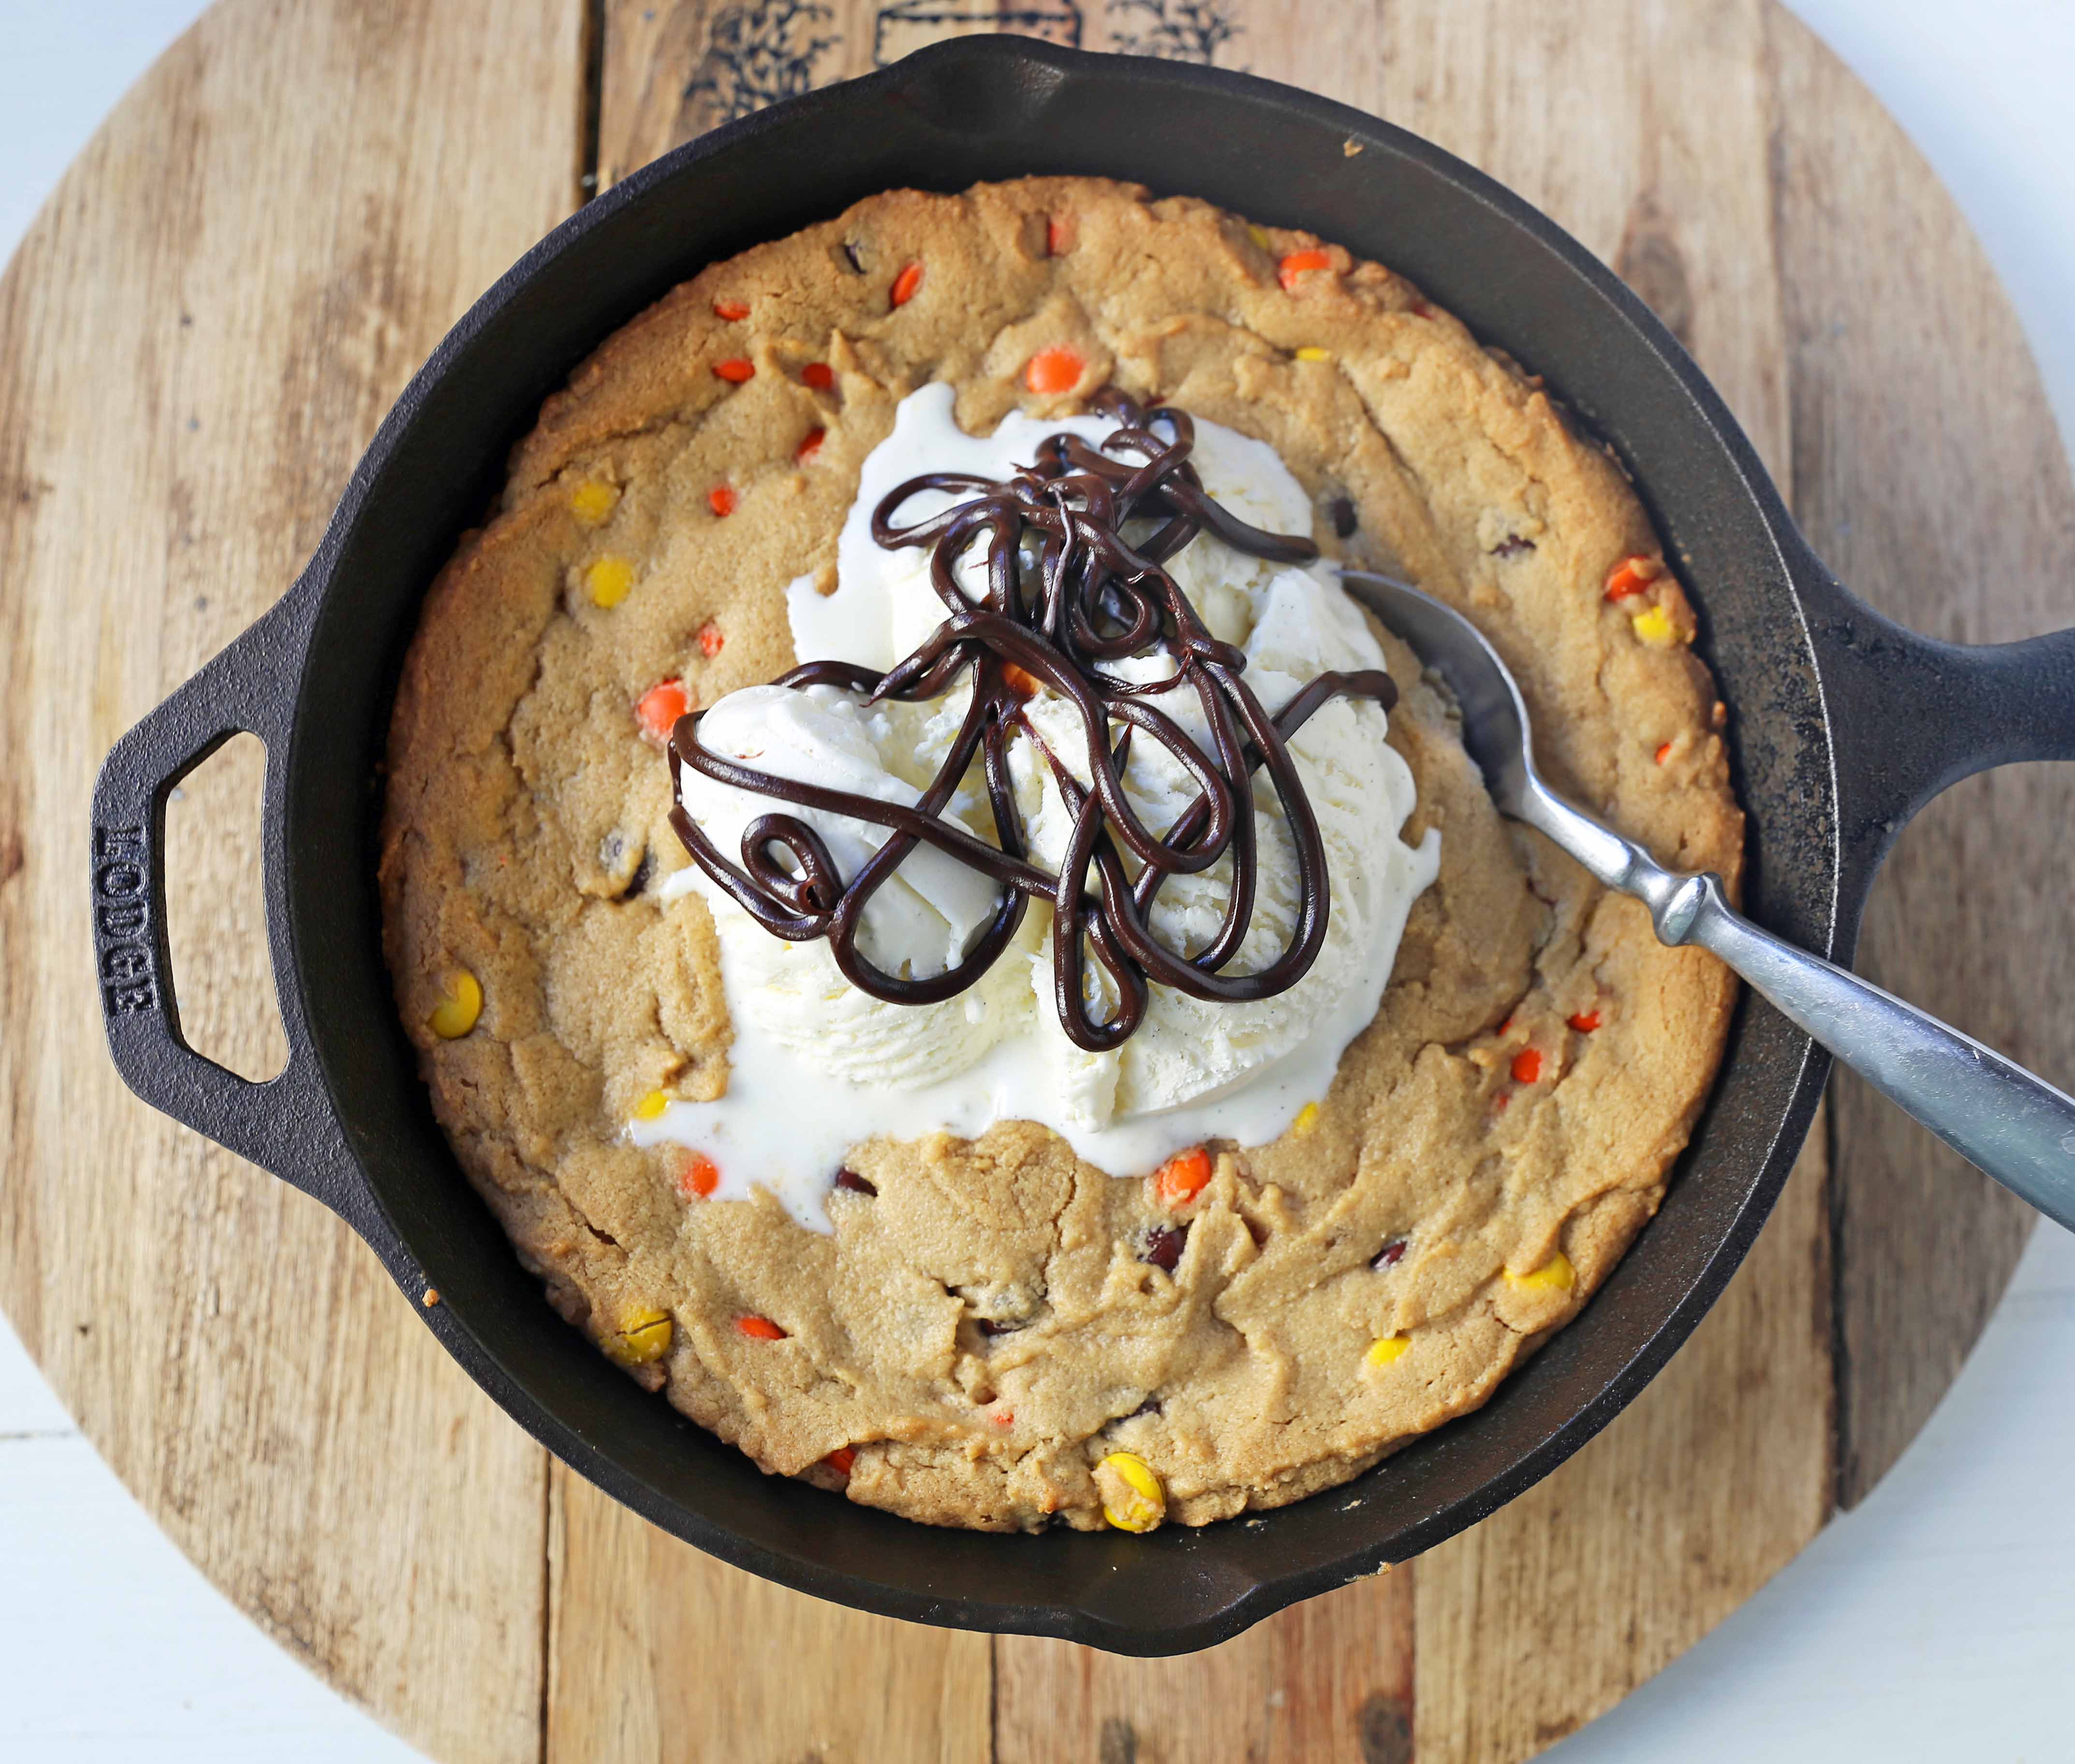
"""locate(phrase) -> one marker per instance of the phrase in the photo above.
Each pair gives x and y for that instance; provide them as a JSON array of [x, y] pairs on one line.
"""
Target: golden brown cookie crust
[[525, 830]]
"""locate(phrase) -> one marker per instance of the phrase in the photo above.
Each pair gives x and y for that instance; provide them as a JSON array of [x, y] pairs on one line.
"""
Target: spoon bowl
[[1495, 728]]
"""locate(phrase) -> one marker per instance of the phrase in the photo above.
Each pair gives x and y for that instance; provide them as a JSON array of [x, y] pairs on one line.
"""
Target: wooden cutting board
[[196, 342]]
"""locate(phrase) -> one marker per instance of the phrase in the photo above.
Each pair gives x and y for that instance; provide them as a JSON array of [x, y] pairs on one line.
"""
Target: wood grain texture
[[659, 1653], [1930, 476], [1564, 1601], [196, 342], [1326, 1681], [216, 926], [1547, 1614]]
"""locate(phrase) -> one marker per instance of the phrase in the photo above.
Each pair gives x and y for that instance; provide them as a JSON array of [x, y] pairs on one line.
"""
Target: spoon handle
[[2009, 1124]]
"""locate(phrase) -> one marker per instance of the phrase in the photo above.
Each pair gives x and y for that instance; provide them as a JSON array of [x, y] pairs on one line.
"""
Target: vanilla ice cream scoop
[[920, 921], [817, 1067]]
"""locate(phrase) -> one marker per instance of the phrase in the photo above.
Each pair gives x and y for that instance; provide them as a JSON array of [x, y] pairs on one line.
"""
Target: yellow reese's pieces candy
[[643, 1335], [1554, 1275], [1132, 1498], [609, 580], [593, 500], [1386, 1349], [460, 1004]]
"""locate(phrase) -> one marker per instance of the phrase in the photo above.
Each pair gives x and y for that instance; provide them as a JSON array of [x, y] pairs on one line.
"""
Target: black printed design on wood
[[908, 25], [757, 52], [1174, 30]]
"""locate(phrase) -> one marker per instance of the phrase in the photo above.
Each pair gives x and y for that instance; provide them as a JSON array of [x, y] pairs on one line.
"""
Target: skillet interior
[[985, 109]]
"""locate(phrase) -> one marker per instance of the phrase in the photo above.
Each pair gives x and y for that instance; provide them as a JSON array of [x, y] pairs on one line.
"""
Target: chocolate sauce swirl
[[1067, 595]]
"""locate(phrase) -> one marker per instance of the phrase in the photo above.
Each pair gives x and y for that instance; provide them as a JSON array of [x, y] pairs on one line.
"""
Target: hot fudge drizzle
[[1067, 593]]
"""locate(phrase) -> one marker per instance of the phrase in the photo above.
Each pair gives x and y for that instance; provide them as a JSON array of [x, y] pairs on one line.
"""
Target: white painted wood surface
[[1944, 1607]]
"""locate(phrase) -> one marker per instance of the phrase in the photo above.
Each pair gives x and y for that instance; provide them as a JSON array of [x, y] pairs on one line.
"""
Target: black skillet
[[1843, 725]]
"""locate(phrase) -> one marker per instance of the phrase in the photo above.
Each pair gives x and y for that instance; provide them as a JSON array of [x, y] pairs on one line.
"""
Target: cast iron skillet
[[1843, 726]]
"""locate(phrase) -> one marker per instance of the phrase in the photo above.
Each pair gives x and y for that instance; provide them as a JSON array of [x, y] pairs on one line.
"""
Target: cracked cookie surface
[[991, 1318]]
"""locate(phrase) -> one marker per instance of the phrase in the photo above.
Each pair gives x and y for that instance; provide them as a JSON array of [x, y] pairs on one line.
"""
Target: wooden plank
[[200, 334], [1675, 188], [216, 925], [1326, 1681], [661, 1655], [1668, 183], [1310, 1682], [1928, 473], [670, 72], [1560, 1603], [1548, 1613]]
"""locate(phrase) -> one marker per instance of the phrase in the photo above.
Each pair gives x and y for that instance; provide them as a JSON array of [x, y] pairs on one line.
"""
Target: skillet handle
[[1912, 716], [286, 1124]]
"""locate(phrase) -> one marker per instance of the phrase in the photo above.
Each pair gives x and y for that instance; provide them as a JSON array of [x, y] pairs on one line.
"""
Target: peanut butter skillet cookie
[[952, 947]]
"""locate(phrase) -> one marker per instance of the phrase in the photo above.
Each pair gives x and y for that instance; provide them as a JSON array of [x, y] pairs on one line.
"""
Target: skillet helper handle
[[2023, 696], [1918, 715], [285, 1124], [1915, 716]]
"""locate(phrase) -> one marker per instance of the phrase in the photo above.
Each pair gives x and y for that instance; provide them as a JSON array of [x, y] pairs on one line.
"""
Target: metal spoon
[[2016, 1128]]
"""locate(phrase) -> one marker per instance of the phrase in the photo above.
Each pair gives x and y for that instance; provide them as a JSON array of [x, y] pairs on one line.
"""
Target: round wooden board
[[198, 338]]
